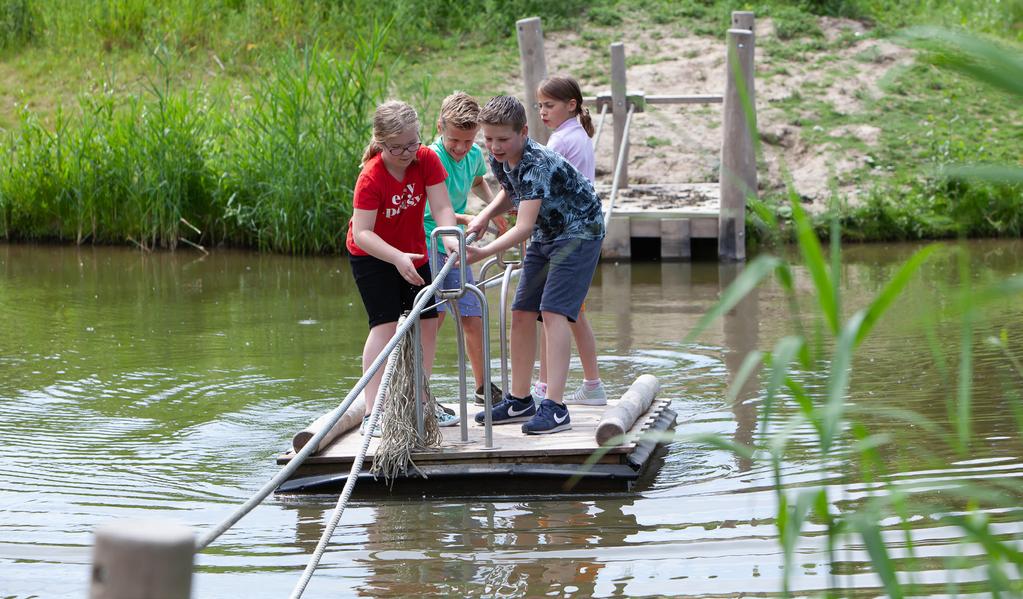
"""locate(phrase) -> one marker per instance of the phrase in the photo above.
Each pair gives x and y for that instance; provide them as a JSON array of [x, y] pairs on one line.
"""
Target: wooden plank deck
[[510, 444], [674, 213]]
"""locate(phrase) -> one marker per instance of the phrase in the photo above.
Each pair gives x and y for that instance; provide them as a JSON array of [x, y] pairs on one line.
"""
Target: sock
[[591, 385], [528, 397], [542, 387]]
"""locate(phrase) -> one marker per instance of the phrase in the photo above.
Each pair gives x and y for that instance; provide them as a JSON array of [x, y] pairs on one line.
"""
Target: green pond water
[[164, 385]]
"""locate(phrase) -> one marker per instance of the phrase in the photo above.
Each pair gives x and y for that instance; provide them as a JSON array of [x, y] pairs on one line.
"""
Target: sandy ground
[[681, 144]]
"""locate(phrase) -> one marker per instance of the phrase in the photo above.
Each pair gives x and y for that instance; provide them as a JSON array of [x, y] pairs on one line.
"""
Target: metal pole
[[616, 182], [503, 327], [463, 410], [600, 126], [488, 400]]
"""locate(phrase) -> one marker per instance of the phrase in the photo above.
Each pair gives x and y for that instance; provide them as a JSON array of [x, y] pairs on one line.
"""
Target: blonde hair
[[460, 110], [564, 88], [390, 120]]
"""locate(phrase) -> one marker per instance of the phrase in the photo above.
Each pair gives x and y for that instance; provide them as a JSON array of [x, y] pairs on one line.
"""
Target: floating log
[[621, 416], [349, 420]]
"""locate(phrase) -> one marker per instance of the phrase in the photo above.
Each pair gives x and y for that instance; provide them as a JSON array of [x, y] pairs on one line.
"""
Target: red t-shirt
[[399, 204]]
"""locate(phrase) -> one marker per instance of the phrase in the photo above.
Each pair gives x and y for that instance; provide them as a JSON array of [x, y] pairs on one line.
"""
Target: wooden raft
[[518, 463]]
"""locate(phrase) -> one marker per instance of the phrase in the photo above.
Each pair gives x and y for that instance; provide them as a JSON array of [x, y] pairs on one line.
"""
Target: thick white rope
[[313, 443], [353, 475]]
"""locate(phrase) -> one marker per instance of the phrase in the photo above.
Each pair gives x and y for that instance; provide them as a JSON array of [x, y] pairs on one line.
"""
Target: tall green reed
[[289, 163], [841, 426]]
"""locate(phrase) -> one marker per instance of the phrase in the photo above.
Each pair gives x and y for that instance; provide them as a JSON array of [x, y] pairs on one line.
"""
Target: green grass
[[81, 79]]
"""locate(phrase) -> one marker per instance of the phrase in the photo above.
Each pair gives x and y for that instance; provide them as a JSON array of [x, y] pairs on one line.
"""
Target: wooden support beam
[[633, 97], [534, 70], [619, 108], [618, 239], [738, 157], [676, 239]]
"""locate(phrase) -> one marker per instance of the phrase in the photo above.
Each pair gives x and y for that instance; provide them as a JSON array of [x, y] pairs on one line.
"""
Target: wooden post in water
[[151, 559], [738, 158], [619, 109], [534, 70]]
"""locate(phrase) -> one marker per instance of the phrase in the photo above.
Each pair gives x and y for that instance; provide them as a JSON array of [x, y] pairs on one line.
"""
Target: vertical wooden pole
[[142, 558], [742, 19], [619, 108], [738, 159], [534, 70]]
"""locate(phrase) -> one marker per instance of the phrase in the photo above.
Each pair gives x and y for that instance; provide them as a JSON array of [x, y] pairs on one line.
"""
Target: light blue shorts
[[468, 304]]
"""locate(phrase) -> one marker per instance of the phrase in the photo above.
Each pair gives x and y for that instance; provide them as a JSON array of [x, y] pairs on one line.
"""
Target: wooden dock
[[518, 464], [673, 213]]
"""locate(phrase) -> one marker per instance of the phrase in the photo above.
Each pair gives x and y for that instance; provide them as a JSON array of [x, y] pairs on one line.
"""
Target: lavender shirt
[[570, 140]]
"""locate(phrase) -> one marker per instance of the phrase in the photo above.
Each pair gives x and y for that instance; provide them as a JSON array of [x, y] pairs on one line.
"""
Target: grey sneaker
[[582, 397], [365, 425], [495, 395]]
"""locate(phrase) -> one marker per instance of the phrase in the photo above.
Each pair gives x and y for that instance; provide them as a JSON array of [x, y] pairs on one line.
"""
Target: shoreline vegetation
[[242, 122]]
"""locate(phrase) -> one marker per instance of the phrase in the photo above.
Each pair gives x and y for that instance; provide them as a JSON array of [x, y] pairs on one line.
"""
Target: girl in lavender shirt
[[560, 102]]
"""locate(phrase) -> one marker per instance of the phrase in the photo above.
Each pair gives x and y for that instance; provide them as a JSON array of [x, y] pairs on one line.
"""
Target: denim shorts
[[556, 276], [468, 304]]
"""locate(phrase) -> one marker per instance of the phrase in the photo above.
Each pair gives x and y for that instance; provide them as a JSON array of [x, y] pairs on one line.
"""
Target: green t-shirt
[[459, 182]]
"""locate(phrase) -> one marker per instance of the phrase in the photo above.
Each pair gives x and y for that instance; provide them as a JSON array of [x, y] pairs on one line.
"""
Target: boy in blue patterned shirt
[[560, 212]]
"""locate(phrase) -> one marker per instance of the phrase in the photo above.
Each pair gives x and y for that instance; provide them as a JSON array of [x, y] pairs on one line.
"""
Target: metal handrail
[[618, 168], [600, 127]]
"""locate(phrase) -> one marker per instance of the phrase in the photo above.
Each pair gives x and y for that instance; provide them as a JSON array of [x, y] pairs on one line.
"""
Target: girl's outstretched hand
[[407, 268], [478, 225], [474, 254]]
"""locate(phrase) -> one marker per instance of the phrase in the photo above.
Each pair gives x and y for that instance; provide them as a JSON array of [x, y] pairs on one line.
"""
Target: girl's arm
[[523, 229], [502, 203], [371, 243], [443, 214], [483, 192]]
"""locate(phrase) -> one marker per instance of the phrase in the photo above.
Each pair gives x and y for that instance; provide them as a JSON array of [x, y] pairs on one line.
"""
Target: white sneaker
[[365, 425], [582, 397], [446, 419]]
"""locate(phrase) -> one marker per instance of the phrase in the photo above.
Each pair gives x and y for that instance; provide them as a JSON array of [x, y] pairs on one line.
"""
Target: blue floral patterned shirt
[[569, 207]]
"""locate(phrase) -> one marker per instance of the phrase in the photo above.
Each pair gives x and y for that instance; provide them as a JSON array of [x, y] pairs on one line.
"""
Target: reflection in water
[[742, 334], [161, 385], [524, 549]]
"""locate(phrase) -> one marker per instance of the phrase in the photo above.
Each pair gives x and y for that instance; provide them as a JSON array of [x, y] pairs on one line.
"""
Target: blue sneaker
[[550, 418], [509, 410]]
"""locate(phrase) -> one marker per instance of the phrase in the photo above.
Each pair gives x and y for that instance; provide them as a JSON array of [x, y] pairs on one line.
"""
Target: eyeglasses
[[399, 150]]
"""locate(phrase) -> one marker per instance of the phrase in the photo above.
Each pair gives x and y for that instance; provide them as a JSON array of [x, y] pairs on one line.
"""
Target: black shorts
[[385, 293]]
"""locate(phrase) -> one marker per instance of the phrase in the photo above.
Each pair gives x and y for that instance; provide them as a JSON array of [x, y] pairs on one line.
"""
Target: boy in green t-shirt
[[463, 160]]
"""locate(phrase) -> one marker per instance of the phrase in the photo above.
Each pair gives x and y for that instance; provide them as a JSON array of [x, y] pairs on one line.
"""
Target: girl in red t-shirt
[[386, 243]]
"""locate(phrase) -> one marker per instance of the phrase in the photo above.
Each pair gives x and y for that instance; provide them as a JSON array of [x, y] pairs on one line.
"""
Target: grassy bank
[[242, 121]]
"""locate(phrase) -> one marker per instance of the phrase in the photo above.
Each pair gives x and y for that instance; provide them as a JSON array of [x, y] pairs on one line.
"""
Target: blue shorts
[[468, 304], [556, 276]]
